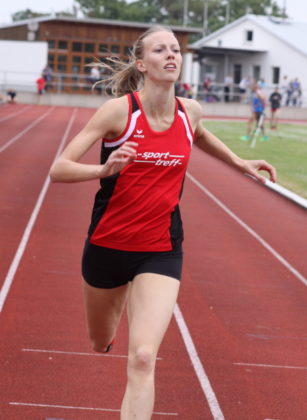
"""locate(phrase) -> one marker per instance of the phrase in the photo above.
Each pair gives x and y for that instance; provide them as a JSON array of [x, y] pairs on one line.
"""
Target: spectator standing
[[40, 82], [243, 87], [228, 84], [289, 93], [47, 75], [296, 92], [258, 106], [284, 88], [95, 77], [11, 93], [275, 101]]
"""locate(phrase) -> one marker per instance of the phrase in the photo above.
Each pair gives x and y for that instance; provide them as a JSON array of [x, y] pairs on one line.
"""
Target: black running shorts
[[108, 268]]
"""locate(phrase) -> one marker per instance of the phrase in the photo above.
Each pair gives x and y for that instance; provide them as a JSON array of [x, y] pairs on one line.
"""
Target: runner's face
[[161, 57]]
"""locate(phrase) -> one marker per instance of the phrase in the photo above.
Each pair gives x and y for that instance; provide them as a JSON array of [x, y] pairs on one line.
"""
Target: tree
[[26, 14], [168, 12], [258, 7], [29, 14], [106, 9], [143, 11]]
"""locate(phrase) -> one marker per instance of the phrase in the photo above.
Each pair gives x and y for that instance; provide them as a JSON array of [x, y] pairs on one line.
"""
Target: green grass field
[[286, 150]]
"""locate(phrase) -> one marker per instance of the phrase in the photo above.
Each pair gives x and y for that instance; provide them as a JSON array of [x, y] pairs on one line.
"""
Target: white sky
[[296, 9]]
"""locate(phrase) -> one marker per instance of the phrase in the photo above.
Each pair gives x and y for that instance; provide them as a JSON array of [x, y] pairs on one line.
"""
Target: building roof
[[96, 21], [288, 31]]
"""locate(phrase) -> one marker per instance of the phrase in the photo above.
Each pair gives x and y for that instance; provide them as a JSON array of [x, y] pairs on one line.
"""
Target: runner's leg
[[151, 302], [103, 309]]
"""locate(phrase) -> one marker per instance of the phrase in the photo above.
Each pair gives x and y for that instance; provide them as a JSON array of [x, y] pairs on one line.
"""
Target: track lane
[[258, 308], [8, 112], [43, 287], [23, 169], [12, 127], [269, 214], [50, 268]]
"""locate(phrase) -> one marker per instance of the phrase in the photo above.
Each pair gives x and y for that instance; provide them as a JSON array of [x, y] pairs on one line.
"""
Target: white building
[[30, 56], [260, 47]]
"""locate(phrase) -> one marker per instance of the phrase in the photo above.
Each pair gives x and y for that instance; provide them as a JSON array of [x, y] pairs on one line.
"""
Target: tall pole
[[185, 12], [284, 8], [227, 12], [205, 18]]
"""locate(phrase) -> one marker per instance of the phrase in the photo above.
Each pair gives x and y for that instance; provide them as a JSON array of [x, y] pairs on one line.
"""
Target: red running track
[[242, 311]]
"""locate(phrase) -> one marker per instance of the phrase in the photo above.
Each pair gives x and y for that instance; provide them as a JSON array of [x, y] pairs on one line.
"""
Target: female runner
[[133, 253]]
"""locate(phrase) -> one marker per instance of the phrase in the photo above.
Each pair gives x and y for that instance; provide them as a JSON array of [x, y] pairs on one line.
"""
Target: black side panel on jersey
[[103, 196], [176, 230], [102, 199]]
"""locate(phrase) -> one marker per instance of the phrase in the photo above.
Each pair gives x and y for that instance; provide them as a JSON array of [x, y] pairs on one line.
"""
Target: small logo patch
[[139, 134]]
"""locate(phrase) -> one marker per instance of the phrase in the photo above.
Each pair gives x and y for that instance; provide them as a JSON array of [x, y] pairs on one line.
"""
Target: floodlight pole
[[205, 18], [284, 8], [227, 17], [185, 12]]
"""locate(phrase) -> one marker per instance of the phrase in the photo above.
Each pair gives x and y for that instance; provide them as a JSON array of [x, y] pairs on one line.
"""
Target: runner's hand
[[251, 167], [119, 159]]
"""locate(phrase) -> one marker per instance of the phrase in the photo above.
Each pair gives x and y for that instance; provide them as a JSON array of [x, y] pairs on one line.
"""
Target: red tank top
[[137, 208]]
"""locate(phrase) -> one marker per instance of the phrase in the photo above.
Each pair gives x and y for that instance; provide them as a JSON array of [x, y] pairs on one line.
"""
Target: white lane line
[[198, 367], [271, 366], [26, 235], [21, 111], [33, 124], [282, 260], [76, 353], [71, 407]]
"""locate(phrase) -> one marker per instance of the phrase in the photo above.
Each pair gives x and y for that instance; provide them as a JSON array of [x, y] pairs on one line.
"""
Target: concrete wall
[[210, 109]]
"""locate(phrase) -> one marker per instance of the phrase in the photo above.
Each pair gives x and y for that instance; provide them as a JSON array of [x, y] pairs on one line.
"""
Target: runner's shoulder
[[193, 109]]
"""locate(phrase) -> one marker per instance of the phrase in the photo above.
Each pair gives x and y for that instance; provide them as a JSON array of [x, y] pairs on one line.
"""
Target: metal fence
[[218, 92], [60, 82], [82, 83]]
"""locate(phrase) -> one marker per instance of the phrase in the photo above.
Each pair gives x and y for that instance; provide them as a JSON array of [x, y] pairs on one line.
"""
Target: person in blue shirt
[[257, 115]]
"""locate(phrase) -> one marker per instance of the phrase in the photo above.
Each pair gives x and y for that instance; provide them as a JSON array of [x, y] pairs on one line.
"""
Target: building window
[[77, 46], [127, 50], [76, 59], [62, 67], [275, 75], [62, 45], [249, 36], [237, 73], [88, 60], [76, 69], [51, 44], [62, 58], [256, 72], [115, 49], [89, 48], [103, 48]]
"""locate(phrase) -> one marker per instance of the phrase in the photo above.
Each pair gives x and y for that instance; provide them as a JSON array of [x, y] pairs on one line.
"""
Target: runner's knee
[[142, 360]]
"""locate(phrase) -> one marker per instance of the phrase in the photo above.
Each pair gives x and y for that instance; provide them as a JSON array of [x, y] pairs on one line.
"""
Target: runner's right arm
[[108, 121]]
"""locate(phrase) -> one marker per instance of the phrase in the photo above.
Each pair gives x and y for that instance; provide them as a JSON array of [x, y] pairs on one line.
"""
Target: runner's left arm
[[210, 144]]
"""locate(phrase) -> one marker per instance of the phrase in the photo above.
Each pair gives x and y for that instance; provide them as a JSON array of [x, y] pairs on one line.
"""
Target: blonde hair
[[125, 77]]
